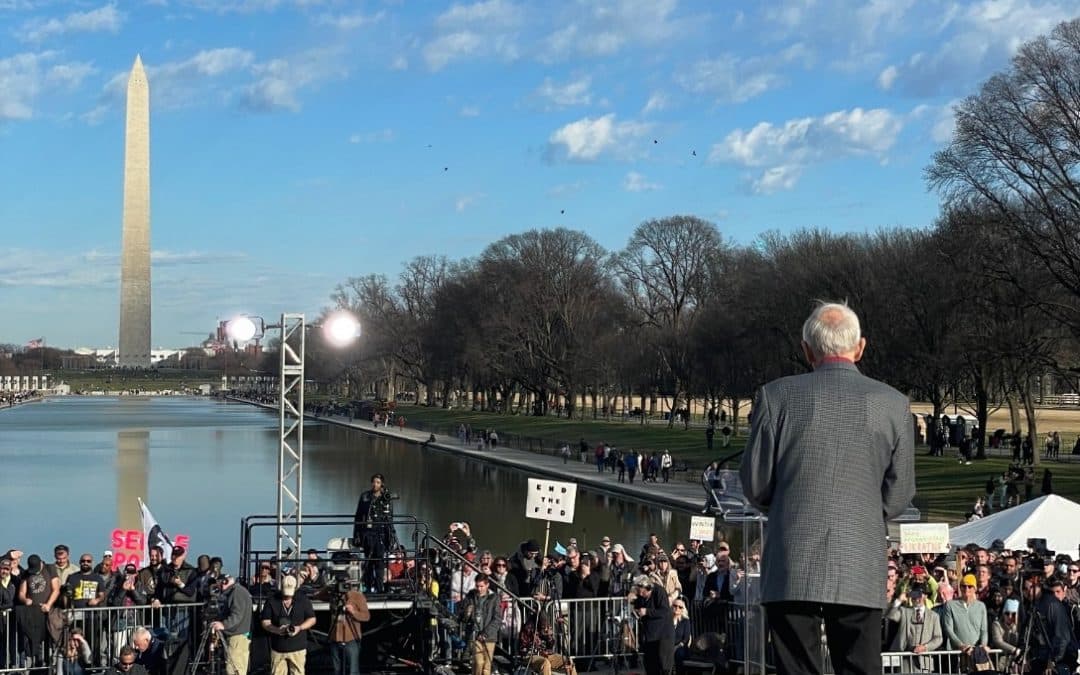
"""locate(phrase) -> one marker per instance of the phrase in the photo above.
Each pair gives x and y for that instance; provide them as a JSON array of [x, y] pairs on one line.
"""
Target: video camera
[[1040, 556]]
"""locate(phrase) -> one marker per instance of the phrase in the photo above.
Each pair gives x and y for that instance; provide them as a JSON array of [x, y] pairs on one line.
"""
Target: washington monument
[[135, 250]]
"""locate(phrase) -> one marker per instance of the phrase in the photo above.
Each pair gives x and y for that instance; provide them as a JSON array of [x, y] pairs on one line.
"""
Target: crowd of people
[[1024, 604], [46, 609]]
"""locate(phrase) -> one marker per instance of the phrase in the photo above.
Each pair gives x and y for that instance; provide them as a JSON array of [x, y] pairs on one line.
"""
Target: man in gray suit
[[830, 458], [919, 626]]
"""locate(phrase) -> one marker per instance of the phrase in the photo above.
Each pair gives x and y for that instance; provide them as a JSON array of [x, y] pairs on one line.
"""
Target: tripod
[[1034, 619], [214, 642]]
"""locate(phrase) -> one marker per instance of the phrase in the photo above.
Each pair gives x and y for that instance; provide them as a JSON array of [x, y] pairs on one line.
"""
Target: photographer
[[128, 588], [234, 608], [1052, 642], [287, 617], [536, 642], [373, 530], [349, 609], [657, 629], [481, 618], [174, 579]]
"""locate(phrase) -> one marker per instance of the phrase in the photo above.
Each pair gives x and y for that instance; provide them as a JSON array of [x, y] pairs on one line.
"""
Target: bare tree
[[665, 271], [1016, 153]]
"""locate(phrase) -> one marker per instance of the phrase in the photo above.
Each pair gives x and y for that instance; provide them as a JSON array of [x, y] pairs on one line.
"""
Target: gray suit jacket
[[910, 634], [830, 458]]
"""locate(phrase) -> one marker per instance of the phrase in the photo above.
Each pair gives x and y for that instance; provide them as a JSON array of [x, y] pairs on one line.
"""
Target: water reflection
[[203, 465], [132, 455]]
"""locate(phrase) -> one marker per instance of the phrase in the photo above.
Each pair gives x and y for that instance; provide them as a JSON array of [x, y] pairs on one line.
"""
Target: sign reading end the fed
[[551, 500], [924, 538]]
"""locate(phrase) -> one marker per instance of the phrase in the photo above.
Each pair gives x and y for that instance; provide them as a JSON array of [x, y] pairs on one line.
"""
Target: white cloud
[[589, 138], [784, 151], [635, 182], [984, 35], [574, 92], [609, 26], [399, 63], [25, 77], [465, 201], [657, 101], [279, 81], [566, 189], [176, 84], [775, 179], [381, 136], [888, 77], [732, 79], [469, 111], [487, 28], [496, 13], [69, 75], [94, 268], [106, 18], [349, 21]]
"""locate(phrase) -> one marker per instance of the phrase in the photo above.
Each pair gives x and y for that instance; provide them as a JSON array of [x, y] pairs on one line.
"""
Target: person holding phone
[[287, 617]]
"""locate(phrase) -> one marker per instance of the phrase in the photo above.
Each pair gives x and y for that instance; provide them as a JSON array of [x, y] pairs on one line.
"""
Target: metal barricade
[[105, 629], [940, 662], [599, 627]]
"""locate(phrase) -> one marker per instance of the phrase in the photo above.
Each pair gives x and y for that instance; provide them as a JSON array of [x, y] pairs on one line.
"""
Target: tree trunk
[[1029, 412], [1014, 411], [981, 412], [733, 420]]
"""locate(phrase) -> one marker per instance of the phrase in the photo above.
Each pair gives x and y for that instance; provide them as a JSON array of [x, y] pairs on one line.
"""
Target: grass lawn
[[946, 489]]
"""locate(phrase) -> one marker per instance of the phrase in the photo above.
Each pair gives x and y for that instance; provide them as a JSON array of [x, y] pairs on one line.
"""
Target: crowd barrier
[[29, 643], [588, 629]]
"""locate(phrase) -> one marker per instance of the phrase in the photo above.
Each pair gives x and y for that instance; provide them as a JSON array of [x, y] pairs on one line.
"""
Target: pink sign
[[127, 547]]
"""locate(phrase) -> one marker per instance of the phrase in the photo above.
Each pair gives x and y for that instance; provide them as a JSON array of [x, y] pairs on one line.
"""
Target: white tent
[[1052, 518]]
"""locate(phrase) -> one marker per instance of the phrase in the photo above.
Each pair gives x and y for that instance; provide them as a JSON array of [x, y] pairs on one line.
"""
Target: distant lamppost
[[339, 329]]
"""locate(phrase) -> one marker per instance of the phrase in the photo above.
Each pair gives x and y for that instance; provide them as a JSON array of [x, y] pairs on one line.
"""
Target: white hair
[[835, 335]]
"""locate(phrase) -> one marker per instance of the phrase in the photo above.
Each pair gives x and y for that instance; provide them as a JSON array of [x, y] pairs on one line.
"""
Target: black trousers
[[854, 636], [659, 656]]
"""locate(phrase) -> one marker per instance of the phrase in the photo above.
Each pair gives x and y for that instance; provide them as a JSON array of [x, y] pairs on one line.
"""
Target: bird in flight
[[694, 153]]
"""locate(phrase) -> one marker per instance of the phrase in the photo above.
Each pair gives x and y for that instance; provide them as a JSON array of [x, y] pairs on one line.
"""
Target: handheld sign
[[924, 538], [551, 500], [702, 528]]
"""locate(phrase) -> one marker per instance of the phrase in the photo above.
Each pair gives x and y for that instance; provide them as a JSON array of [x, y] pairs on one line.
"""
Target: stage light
[[241, 329], [341, 329]]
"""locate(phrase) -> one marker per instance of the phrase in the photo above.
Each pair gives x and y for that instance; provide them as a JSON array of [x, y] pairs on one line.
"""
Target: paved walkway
[[683, 492]]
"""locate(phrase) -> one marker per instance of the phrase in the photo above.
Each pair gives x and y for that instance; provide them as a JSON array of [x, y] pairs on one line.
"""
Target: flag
[[36, 343], [559, 549], [153, 535]]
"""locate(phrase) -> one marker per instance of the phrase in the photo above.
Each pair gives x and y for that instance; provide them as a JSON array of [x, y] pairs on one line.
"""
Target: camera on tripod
[[1040, 557]]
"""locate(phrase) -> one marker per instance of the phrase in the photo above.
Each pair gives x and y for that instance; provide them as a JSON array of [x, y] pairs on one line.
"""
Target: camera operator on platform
[[349, 609], [234, 608], [373, 530]]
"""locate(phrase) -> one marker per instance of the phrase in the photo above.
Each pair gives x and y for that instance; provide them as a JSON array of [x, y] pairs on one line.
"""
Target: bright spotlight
[[341, 329], [241, 329]]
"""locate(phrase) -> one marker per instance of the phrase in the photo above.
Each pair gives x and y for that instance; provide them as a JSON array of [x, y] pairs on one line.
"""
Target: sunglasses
[[1074, 571], [84, 561], [679, 607]]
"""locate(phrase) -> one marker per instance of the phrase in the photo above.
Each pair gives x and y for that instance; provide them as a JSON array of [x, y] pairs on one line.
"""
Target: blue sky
[[296, 143]]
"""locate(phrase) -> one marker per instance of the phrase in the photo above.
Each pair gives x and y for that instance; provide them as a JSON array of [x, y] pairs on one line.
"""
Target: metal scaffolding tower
[[290, 480]]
